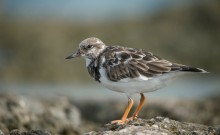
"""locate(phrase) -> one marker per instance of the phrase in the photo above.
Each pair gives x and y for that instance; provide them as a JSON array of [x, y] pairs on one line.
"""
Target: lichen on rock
[[156, 126]]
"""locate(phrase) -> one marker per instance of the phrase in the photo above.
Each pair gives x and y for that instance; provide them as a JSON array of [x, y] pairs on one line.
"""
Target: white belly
[[137, 85]]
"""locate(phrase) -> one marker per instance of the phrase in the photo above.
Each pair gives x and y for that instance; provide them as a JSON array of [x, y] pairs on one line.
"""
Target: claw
[[132, 118], [120, 122]]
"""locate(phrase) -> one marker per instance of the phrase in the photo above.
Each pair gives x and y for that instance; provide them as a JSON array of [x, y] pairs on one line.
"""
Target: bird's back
[[121, 62]]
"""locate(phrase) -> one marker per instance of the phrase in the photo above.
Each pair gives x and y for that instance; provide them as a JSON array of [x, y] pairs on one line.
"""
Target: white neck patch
[[88, 61]]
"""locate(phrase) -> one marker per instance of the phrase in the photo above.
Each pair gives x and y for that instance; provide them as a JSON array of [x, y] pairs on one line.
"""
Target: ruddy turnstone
[[128, 70]]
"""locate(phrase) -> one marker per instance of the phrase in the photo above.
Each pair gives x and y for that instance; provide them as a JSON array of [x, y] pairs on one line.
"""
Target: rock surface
[[156, 126], [32, 132], [27, 115], [58, 115], [205, 112]]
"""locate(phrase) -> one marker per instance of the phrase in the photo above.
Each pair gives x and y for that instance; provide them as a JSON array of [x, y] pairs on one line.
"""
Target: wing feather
[[158, 68], [122, 62]]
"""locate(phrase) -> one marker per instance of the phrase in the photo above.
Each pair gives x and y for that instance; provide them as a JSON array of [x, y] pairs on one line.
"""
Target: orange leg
[[125, 115], [142, 100]]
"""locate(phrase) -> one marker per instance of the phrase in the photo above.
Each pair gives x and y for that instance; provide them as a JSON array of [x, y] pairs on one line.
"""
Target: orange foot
[[125, 115], [123, 121], [119, 121], [132, 118]]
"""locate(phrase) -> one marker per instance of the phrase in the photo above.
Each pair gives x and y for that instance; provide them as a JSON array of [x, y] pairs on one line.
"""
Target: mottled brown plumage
[[122, 62]]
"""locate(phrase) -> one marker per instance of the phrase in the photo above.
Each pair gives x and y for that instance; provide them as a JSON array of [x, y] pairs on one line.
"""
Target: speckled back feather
[[122, 62]]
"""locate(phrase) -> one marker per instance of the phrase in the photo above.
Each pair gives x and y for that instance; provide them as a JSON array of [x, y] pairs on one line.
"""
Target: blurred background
[[36, 36]]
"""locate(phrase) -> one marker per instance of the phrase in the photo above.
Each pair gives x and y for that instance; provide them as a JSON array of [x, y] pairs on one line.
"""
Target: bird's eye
[[89, 46]]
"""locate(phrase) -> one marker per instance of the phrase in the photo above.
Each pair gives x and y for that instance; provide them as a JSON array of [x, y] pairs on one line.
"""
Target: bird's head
[[89, 48]]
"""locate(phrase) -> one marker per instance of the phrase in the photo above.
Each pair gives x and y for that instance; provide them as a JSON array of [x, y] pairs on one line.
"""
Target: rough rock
[[56, 115], [204, 111], [1, 133], [156, 126], [32, 132], [59, 115]]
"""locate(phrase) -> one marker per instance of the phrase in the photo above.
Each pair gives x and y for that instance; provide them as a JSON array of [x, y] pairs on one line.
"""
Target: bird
[[128, 70]]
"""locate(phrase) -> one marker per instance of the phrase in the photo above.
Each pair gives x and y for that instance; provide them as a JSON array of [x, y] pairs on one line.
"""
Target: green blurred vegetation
[[35, 50]]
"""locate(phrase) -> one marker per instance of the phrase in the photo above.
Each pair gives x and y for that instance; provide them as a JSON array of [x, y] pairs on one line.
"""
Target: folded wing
[[121, 62]]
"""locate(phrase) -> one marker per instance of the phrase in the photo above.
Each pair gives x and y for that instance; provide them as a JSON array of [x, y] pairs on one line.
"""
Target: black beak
[[74, 55]]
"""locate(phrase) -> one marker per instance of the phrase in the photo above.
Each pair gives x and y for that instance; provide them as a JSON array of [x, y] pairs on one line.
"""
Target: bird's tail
[[187, 68], [193, 69]]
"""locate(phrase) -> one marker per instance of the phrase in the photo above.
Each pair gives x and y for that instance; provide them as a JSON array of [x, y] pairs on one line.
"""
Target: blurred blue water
[[87, 11], [188, 87]]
